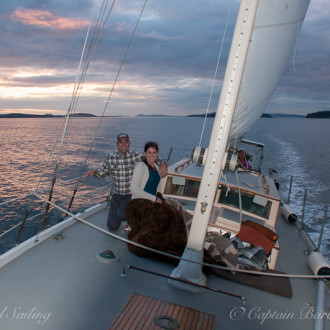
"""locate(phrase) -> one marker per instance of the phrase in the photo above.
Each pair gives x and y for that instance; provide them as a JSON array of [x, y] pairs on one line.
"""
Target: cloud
[[169, 66], [46, 19]]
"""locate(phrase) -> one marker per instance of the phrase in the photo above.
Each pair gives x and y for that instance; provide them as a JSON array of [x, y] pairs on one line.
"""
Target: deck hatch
[[140, 312]]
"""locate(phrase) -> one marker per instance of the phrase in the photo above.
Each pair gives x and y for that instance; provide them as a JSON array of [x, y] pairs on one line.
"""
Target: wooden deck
[[143, 312]]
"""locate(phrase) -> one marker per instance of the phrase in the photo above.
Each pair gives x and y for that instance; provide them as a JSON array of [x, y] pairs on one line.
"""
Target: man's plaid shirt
[[121, 168]]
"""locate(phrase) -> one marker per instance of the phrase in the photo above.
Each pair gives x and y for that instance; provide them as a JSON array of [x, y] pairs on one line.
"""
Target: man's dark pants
[[117, 210]]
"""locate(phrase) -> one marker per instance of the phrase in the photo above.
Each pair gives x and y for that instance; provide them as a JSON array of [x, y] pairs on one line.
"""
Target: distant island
[[320, 114], [142, 115], [25, 115], [264, 115], [281, 115], [209, 115]]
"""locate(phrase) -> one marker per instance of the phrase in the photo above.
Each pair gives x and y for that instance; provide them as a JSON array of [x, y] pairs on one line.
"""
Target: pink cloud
[[44, 18]]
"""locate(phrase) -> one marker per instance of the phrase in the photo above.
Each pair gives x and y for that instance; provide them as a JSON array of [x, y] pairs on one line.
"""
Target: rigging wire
[[316, 213], [110, 93], [176, 257], [215, 73], [98, 31], [76, 88], [73, 95], [76, 93], [66, 125], [99, 27]]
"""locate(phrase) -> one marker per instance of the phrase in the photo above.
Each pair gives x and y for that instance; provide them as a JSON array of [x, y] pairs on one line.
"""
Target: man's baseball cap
[[122, 136]]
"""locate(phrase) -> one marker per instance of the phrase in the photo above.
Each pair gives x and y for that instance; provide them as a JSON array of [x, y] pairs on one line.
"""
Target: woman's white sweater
[[139, 180]]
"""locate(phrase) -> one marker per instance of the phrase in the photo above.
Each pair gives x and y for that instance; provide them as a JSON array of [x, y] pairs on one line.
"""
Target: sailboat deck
[[60, 284]]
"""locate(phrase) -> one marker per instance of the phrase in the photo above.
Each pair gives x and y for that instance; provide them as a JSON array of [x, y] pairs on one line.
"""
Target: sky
[[169, 66]]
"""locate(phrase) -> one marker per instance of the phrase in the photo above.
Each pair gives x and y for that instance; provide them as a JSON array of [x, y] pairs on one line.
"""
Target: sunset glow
[[169, 65], [60, 90], [44, 18]]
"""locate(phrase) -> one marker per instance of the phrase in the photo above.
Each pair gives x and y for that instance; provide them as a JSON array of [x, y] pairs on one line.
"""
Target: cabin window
[[181, 186], [249, 202]]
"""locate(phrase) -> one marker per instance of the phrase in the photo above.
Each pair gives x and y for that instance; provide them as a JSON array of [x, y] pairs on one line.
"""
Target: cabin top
[[186, 170], [244, 195]]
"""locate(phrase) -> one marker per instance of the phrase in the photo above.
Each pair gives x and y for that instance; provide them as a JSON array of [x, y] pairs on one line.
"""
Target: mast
[[192, 271]]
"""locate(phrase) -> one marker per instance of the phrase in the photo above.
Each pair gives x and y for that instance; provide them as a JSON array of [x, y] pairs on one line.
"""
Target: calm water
[[297, 147]]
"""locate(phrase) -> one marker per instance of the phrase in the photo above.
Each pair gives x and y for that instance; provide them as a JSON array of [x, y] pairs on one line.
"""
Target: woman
[[146, 179], [152, 222]]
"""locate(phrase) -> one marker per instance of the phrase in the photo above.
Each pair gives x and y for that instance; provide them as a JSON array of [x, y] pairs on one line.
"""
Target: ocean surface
[[293, 147]]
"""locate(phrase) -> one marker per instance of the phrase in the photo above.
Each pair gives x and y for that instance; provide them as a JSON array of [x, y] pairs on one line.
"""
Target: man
[[120, 165]]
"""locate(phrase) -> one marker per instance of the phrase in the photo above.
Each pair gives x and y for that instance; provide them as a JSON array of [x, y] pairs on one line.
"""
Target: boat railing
[[22, 216], [183, 165], [311, 212]]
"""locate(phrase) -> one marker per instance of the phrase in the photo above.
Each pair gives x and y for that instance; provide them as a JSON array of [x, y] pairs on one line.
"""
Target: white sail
[[265, 33], [274, 35]]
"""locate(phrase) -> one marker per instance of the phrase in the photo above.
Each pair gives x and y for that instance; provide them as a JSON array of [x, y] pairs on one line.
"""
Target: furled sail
[[274, 35]]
